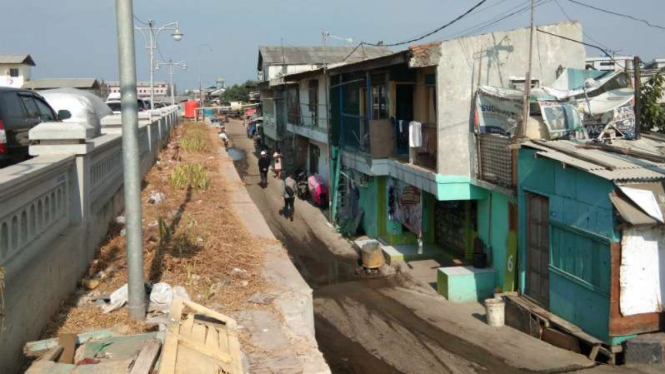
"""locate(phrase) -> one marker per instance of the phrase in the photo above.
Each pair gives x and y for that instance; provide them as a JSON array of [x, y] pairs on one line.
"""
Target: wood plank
[[170, 350], [556, 321], [68, 343], [34, 349], [52, 354], [200, 347], [561, 340], [211, 313], [147, 357], [187, 326]]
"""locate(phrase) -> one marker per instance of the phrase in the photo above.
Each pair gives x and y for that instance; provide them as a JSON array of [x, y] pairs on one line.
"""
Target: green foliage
[[190, 175], [195, 140], [238, 92], [652, 113]]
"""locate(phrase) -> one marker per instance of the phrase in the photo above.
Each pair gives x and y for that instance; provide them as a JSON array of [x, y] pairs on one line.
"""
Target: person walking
[[289, 193], [277, 156], [264, 164]]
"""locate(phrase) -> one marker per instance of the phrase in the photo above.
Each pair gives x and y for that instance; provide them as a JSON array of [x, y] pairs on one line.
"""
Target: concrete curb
[[298, 349]]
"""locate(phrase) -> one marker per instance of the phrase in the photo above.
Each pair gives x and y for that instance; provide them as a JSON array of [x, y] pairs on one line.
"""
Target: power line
[[514, 11], [139, 21], [579, 42], [431, 32], [619, 14], [581, 28]]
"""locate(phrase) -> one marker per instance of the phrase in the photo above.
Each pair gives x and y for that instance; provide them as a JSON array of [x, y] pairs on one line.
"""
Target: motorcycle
[[303, 187]]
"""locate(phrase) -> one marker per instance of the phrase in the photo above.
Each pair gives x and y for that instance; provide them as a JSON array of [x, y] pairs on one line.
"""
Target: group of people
[[289, 185]]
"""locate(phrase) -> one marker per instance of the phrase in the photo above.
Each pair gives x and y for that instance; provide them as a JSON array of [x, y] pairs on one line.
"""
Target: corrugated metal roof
[[16, 58], [278, 55], [44, 84], [605, 163]]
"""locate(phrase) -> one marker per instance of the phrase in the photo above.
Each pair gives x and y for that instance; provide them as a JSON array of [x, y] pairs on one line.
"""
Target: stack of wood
[[197, 340]]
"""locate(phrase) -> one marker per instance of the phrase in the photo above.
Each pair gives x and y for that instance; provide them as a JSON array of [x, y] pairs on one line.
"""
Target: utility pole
[[153, 33], [172, 66], [200, 79], [638, 103], [527, 82], [130, 157]]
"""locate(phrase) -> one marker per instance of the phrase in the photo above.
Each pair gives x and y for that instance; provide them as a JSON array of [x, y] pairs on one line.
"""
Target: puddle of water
[[235, 154]]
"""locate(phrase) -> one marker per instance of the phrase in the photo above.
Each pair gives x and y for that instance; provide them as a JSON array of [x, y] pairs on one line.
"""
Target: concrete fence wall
[[55, 209]]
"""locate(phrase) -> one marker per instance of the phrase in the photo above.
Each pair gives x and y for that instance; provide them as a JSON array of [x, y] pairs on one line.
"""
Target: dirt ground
[[386, 325], [192, 238]]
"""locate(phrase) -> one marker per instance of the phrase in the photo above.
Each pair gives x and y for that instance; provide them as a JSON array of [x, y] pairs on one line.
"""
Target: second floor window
[[13, 72]]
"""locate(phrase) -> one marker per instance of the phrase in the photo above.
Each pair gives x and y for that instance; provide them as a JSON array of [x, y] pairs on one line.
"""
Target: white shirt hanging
[[415, 134]]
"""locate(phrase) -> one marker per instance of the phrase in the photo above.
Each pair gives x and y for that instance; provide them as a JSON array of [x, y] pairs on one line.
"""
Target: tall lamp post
[[200, 81], [172, 66], [151, 40]]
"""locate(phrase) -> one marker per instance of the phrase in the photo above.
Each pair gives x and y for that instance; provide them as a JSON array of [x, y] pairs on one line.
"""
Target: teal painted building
[[571, 234]]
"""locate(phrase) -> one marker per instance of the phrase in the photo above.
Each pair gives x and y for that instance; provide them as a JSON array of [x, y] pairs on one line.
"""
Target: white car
[[85, 107]]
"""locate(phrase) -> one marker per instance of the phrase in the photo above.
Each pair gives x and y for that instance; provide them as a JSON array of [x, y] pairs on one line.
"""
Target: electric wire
[[431, 32], [583, 32], [619, 14]]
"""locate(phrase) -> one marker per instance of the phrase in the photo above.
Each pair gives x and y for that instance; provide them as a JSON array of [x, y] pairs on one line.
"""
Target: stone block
[[462, 284], [645, 350]]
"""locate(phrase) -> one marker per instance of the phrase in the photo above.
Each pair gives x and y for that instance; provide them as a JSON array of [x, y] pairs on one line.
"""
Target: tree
[[238, 92], [652, 114]]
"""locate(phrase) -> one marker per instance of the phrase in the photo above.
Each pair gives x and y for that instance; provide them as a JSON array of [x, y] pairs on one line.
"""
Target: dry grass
[[200, 243]]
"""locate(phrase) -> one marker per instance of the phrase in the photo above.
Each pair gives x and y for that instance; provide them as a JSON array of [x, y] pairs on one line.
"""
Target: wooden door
[[538, 249]]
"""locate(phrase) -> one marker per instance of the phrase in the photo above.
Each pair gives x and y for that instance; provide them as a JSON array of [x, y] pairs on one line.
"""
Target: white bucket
[[496, 312]]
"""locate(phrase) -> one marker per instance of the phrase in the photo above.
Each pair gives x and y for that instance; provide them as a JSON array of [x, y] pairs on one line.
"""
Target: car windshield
[[114, 106]]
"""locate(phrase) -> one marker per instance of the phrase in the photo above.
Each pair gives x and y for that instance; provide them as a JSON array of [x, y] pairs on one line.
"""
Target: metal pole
[[130, 158], [331, 169], [152, 67], [171, 66], [638, 102], [527, 81]]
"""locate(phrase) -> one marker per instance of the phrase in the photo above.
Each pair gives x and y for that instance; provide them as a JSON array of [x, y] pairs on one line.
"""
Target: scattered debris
[[261, 299], [156, 198]]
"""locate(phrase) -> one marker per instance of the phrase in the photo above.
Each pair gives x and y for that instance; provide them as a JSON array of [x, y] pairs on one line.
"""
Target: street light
[[151, 40], [200, 81], [172, 66]]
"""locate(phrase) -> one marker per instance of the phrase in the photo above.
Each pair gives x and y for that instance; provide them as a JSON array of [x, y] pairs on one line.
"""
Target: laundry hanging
[[415, 134]]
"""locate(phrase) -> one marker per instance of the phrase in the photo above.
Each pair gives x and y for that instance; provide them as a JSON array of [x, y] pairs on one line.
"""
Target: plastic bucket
[[496, 312]]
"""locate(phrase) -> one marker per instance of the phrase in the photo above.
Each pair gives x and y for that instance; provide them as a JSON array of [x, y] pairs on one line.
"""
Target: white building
[[15, 69], [616, 63], [143, 89]]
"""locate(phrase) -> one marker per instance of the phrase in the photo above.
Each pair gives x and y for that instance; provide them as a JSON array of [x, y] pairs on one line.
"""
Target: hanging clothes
[[415, 134]]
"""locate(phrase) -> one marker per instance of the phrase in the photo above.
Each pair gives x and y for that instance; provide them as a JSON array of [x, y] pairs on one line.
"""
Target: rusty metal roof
[[646, 160]]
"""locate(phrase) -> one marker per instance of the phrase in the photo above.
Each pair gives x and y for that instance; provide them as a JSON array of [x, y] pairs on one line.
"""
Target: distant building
[[143, 89], [658, 63], [605, 63], [86, 84], [15, 69]]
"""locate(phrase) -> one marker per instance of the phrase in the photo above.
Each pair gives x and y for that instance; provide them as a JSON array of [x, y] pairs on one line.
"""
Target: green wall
[[499, 232], [368, 202], [581, 231]]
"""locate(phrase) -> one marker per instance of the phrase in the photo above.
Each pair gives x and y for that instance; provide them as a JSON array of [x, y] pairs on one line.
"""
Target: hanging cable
[[583, 32], [579, 42], [619, 14], [141, 22], [429, 33]]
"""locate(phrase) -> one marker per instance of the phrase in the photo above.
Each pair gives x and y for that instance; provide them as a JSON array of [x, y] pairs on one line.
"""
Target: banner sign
[[622, 118], [498, 111], [560, 117], [409, 206]]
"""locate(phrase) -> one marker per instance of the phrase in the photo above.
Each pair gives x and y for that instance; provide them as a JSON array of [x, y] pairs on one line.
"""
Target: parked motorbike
[[303, 187]]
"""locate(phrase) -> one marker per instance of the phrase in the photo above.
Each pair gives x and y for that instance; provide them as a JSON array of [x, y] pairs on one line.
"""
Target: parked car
[[115, 106], [85, 107], [20, 111]]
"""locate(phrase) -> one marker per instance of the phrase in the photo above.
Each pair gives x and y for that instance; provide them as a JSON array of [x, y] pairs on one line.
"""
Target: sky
[[77, 38]]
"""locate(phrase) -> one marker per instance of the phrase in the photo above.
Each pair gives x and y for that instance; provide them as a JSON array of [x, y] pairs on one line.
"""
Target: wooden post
[[638, 91]]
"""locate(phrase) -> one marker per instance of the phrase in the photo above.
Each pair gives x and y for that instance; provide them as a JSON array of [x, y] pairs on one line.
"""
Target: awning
[[640, 203]]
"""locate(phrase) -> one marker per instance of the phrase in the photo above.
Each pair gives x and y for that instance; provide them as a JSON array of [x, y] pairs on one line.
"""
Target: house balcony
[[308, 121]]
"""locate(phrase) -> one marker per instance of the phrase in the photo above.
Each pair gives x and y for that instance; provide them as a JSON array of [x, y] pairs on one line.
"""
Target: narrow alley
[[387, 324]]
